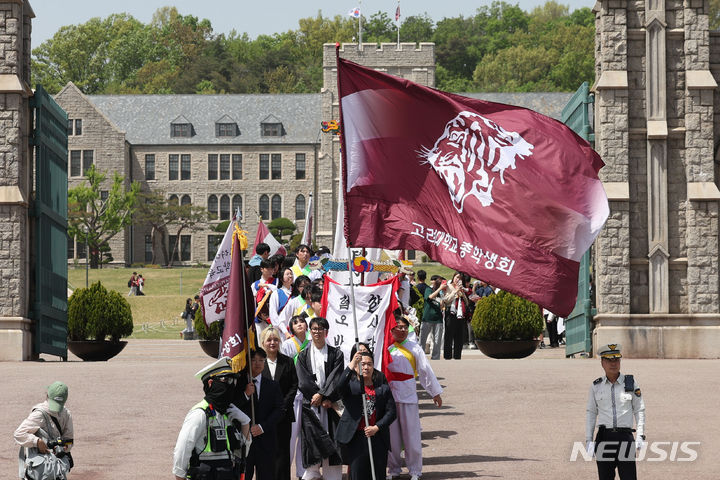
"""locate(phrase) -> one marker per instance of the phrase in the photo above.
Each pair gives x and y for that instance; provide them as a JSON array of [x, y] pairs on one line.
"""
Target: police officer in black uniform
[[615, 403]]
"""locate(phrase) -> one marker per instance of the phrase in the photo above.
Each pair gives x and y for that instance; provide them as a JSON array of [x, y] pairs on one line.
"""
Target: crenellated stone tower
[[408, 60], [656, 111]]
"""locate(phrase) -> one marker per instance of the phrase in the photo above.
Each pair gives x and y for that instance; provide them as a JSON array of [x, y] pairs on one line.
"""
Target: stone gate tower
[[407, 60], [15, 179], [656, 111]]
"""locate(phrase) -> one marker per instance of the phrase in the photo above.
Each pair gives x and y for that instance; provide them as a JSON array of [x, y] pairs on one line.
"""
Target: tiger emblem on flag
[[470, 152]]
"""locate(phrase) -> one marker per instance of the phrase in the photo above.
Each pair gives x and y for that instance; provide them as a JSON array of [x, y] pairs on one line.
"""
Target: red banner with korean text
[[500, 192]]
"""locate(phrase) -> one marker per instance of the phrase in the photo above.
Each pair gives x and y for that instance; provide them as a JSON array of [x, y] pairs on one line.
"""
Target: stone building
[[656, 119], [263, 153], [15, 180]]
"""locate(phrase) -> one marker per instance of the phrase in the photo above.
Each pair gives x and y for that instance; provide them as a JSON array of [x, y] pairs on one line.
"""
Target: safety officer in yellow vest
[[615, 402], [215, 433]]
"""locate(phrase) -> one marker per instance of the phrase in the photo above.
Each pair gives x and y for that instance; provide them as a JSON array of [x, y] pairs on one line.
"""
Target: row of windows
[[223, 206], [229, 166], [186, 130]]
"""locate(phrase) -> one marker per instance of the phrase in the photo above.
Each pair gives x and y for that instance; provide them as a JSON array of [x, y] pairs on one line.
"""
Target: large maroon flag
[[500, 192], [239, 329]]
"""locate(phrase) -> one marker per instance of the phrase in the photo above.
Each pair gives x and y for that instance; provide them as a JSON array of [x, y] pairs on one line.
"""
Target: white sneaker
[[415, 477]]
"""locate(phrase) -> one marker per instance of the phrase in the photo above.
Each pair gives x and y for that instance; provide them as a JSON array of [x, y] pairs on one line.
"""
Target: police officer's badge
[[637, 392]]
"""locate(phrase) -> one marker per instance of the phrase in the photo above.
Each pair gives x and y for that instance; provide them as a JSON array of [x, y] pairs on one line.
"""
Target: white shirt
[[403, 293], [279, 321], [318, 357], [612, 406], [25, 434], [404, 391], [192, 437], [261, 284], [272, 366]]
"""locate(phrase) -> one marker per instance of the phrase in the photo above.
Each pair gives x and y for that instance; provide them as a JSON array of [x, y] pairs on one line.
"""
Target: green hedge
[[95, 313], [504, 316], [213, 332]]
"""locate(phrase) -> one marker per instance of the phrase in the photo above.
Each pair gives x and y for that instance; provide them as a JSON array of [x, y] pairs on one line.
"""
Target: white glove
[[234, 413], [639, 443], [590, 447]]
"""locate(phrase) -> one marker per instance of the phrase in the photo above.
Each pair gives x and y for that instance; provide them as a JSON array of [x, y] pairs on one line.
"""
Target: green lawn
[[157, 314]]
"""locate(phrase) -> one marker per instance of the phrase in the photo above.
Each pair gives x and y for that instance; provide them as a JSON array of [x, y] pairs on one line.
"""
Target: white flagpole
[[397, 23], [360, 44], [351, 260]]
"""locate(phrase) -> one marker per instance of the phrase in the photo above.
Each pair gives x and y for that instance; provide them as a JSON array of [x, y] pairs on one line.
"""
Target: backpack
[[129, 283]]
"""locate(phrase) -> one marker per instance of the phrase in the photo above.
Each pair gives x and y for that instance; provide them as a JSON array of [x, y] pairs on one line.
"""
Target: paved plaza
[[512, 419]]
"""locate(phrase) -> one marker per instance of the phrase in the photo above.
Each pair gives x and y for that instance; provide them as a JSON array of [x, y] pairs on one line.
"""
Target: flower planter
[[507, 348], [95, 350], [210, 347]]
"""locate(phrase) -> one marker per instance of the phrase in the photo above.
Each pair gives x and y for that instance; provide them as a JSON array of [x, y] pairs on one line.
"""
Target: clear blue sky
[[252, 16]]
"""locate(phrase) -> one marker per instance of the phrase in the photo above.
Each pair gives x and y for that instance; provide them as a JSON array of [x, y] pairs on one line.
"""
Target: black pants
[[356, 455], [261, 461], [454, 334], [552, 332], [282, 450], [615, 450]]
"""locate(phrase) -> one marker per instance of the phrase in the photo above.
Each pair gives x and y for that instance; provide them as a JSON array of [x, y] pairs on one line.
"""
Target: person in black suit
[[318, 369], [352, 432], [281, 368], [262, 394]]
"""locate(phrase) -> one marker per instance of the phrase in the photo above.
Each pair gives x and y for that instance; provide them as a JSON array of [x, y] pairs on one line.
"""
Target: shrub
[[95, 313], [504, 316], [213, 332]]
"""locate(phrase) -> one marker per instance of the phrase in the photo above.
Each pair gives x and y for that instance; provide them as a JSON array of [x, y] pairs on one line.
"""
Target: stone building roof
[[147, 118], [547, 103]]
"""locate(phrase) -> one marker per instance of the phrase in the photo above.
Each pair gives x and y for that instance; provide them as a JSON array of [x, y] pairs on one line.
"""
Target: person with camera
[[48, 430], [212, 440]]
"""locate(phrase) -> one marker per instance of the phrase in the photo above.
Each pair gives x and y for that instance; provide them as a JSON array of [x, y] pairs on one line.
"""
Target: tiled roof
[[550, 104], [146, 119]]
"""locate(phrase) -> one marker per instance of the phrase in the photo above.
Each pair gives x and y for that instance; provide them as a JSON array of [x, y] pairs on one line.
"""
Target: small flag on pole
[[264, 235], [307, 232], [239, 329], [355, 12], [397, 15]]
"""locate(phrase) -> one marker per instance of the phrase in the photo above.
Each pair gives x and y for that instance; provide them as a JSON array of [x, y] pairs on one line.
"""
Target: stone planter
[[96, 350], [210, 347], [507, 348]]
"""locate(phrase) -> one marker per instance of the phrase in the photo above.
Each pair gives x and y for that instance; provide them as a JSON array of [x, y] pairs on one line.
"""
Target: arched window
[[213, 205], [224, 207], [173, 199], [185, 200], [264, 207], [300, 207], [276, 207], [236, 204]]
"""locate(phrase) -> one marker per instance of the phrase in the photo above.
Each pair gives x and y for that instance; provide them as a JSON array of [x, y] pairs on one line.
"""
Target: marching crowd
[[307, 404]]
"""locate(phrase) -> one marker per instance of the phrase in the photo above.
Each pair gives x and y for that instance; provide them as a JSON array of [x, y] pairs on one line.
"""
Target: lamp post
[[87, 255]]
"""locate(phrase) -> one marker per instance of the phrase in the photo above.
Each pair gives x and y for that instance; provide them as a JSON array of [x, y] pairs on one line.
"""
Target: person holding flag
[[408, 361], [279, 300], [292, 348]]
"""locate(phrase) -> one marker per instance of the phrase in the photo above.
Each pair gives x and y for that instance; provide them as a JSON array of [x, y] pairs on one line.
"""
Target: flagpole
[[360, 44], [397, 22], [357, 347], [247, 333]]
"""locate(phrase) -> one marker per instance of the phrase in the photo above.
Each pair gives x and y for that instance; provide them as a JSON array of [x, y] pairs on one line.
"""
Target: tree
[[155, 211], [98, 219], [280, 227], [188, 217], [380, 28], [417, 29]]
